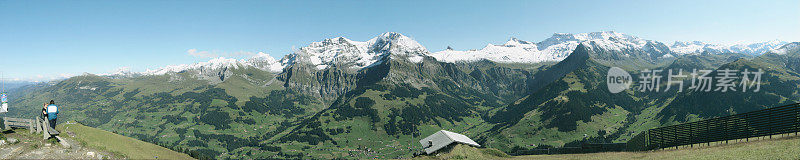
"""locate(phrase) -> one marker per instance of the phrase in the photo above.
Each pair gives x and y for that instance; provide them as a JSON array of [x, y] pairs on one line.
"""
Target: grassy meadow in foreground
[[128, 147], [777, 148]]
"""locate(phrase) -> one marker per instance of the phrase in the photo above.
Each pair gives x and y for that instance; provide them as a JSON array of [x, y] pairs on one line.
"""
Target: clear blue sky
[[50, 38]]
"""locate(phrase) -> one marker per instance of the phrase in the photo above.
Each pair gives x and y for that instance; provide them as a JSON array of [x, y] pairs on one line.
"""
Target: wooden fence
[[37, 125], [766, 122]]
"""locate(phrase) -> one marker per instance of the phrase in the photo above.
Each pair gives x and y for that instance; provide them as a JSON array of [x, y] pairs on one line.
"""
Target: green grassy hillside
[[387, 117], [120, 145], [178, 111]]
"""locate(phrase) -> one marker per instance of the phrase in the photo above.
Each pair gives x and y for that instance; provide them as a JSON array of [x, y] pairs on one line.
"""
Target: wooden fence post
[[45, 132], [5, 123], [38, 125], [676, 137], [30, 126], [41, 125]]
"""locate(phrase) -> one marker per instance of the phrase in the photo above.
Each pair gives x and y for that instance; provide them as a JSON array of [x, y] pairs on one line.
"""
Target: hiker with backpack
[[52, 113]]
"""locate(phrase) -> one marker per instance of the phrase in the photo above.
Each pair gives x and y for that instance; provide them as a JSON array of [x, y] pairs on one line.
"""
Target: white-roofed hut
[[443, 139]]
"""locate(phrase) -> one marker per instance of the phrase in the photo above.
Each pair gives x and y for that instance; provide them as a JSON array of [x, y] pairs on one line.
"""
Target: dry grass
[[776, 148], [467, 152]]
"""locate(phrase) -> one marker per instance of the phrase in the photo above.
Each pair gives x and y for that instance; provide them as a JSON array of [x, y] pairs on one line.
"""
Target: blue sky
[[41, 40]]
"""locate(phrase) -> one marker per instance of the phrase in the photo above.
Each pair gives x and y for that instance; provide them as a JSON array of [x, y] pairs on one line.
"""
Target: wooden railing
[[38, 125], [766, 122]]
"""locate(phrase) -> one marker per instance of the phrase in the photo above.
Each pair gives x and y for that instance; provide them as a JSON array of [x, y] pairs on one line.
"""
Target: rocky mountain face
[[330, 68]]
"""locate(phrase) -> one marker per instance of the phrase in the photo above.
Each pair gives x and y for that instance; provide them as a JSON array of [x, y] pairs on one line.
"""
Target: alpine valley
[[340, 98]]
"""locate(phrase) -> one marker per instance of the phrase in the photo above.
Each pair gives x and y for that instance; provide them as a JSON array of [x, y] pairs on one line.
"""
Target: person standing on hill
[[44, 111], [52, 113]]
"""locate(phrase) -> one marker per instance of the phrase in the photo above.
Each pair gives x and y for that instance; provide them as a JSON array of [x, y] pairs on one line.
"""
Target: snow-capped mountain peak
[[560, 45], [266, 62], [218, 62], [394, 40], [325, 53], [121, 72], [555, 48], [696, 47], [787, 48], [354, 54], [560, 38], [346, 53], [338, 51], [515, 42], [260, 60], [605, 35]]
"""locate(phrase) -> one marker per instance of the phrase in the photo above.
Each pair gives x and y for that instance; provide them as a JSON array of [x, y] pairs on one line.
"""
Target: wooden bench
[[10, 123], [39, 125], [44, 127]]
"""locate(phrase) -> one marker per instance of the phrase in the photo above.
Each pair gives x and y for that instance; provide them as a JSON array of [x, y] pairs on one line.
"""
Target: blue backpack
[[52, 111]]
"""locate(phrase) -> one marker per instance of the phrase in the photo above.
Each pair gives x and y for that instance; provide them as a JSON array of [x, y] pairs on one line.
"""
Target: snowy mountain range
[[558, 47], [355, 54], [343, 52], [696, 47], [260, 60], [555, 48], [791, 47], [329, 52]]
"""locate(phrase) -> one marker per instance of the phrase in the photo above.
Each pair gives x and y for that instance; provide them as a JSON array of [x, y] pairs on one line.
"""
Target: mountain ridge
[[341, 51]]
